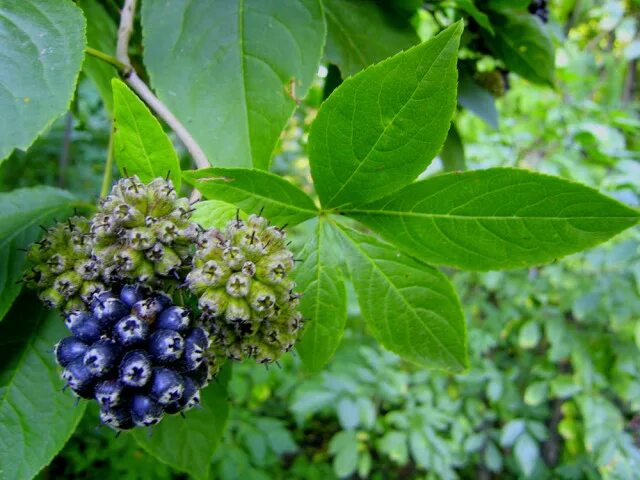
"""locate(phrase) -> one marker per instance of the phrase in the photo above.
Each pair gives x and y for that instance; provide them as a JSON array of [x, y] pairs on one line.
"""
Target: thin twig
[[123, 69], [137, 85], [106, 179]]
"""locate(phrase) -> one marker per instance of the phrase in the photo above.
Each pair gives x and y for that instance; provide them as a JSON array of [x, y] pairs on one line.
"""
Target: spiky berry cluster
[[134, 351], [138, 355], [142, 231], [241, 278], [62, 266], [540, 9]]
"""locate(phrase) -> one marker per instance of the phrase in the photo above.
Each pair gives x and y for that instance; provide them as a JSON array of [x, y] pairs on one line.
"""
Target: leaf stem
[[108, 167], [137, 85], [123, 69]]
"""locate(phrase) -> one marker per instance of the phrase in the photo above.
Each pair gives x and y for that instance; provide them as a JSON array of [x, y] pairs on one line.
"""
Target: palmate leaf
[[410, 307], [36, 417], [187, 444], [324, 302], [380, 129], [254, 59], [140, 145], [254, 190], [22, 211], [42, 47], [494, 219]]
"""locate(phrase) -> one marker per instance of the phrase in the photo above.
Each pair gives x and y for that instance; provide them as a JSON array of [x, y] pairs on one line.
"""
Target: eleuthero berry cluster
[[122, 280]]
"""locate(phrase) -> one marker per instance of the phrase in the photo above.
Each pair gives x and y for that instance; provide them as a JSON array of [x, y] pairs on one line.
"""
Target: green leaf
[[495, 219], [380, 129], [140, 145], [42, 46], [344, 445], [22, 211], [452, 153], [214, 213], [248, 55], [360, 33], [324, 302], [511, 431], [187, 444], [101, 35], [36, 417], [477, 100], [410, 307], [509, 4], [394, 444], [526, 453], [482, 19], [523, 43], [254, 190]]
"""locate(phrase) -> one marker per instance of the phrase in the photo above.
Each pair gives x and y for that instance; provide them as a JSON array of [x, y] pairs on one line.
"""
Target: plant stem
[[123, 69], [137, 85], [106, 179]]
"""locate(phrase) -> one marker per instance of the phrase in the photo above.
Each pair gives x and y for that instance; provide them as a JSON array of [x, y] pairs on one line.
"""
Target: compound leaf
[[410, 307], [496, 218], [380, 129], [42, 47]]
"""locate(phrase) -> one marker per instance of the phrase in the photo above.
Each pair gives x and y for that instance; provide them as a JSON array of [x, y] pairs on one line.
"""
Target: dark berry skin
[[68, 349], [118, 418], [190, 398], [79, 378], [148, 310], [144, 411], [174, 318], [135, 369], [167, 386], [87, 329], [75, 317], [131, 294], [109, 310], [165, 345], [102, 357], [195, 345], [200, 375], [109, 393], [130, 330]]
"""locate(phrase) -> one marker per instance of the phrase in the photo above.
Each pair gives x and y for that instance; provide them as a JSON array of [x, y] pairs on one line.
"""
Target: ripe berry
[[144, 411], [101, 357], [131, 294], [135, 369], [166, 386], [68, 349], [88, 330], [109, 393], [130, 330], [79, 378], [174, 318], [118, 418], [166, 345]]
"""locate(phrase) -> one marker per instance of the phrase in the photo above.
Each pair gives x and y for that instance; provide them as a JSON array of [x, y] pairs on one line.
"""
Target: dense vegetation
[[553, 381]]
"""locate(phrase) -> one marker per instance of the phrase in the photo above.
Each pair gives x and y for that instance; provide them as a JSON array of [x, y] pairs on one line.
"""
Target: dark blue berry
[[135, 369], [167, 386], [174, 318], [147, 310], [109, 310], [131, 294], [195, 345], [79, 378], [87, 329], [75, 317], [130, 330], [200, 375], [163, 299], [102, 357], [144, 411], [118, 418], [190, 398], [68, 349], [109, 393], [166, 345]]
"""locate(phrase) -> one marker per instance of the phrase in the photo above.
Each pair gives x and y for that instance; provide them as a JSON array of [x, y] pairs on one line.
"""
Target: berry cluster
[[240, 276], [137, 354], [540, 9], [131, 348]]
